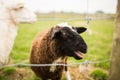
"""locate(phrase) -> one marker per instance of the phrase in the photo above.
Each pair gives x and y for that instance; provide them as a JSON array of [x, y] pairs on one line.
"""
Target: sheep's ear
[[1, 3], [80, 29], [55, 33]]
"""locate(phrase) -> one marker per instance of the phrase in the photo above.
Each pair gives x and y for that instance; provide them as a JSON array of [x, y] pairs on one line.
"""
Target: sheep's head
[[19, 12], [72, 44]]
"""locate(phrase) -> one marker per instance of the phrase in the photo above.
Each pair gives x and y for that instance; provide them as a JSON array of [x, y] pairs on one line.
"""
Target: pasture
[[99, 43]]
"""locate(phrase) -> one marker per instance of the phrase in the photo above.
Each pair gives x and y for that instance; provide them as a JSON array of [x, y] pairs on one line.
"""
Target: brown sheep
[[54, 46]]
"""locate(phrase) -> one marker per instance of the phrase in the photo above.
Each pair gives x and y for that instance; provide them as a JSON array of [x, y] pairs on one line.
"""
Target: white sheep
[[12, 13]]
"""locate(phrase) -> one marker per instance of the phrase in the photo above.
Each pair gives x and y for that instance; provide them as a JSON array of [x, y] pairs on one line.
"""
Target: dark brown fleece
[[45, 51], [56, 43]]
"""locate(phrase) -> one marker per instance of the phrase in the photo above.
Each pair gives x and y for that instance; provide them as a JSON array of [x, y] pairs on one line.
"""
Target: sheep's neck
[[6, 16], [11, 18]]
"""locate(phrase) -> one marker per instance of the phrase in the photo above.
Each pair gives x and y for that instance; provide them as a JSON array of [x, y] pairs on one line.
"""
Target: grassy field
[[99, 43]]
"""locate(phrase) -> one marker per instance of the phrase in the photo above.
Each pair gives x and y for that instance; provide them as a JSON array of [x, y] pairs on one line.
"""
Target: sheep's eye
[[15, 9], [18, 8], [21, 7]]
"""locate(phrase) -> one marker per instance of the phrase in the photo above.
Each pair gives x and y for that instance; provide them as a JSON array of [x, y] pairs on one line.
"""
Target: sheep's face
[[20, 13], [72, 43]]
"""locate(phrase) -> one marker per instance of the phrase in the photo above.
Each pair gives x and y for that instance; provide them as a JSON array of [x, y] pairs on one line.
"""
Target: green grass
[[5, 72], [9, 70], [3, 77], [99, 43], [98, 74]]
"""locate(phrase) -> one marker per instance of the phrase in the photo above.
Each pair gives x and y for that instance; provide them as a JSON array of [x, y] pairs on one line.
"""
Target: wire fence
[[65, 19], [86, 62], [87, 19], [73, 19]]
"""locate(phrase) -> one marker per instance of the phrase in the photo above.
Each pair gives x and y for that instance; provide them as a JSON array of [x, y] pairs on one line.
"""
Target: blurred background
[[101, 16], [76, 6]]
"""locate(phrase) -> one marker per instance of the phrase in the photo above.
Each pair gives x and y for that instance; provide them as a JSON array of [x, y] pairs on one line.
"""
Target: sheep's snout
[[84, 48]]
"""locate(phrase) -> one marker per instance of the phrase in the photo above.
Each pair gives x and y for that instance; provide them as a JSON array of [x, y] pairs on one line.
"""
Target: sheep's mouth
[[78, 55]]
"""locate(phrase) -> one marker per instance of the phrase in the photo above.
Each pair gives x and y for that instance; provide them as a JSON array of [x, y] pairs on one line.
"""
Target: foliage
[[104, 65], [100, 12], [99, 43], [9, 70], [99, 74], [3, 77]]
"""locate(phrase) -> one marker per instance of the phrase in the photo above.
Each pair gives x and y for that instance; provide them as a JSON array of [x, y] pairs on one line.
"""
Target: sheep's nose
[[84, 48]]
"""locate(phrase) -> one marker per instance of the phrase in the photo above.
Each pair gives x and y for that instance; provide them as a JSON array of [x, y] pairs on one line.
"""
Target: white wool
[[53, 68], [67, 73], [65, 24], [8, 26], [20, 15], [7, 37]]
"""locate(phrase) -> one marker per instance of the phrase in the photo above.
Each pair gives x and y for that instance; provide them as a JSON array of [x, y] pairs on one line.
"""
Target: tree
[[100, 12], [114, 73]]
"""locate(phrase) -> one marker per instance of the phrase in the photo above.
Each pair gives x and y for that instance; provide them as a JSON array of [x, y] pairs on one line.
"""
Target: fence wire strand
[[86, 62], [66, 19]]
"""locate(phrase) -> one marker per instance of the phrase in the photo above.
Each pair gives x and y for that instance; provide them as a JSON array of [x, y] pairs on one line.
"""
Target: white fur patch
[[8, 26], [67, 73], [7, 35], [53, 68], [65, 24]]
